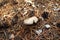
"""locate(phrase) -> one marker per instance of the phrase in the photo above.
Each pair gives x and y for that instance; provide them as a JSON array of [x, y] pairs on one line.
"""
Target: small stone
[[11, 36], [31, 20], [47, 26]]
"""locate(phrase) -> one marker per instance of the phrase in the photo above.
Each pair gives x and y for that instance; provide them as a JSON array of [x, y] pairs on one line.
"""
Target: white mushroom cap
[[31, 20], [11, 36], [47, 26], [28, 1], [39, 31]]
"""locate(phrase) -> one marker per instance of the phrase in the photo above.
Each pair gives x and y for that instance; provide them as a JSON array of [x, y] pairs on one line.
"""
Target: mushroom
[[31, 20]]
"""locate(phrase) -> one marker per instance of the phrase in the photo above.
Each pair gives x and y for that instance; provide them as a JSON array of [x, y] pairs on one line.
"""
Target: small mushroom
[[47, 26], [38, 31], [11, 36], [31, 20], [28, 1]]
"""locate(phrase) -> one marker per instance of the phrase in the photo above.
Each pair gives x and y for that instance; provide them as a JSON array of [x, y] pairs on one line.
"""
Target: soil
[[14, 12]]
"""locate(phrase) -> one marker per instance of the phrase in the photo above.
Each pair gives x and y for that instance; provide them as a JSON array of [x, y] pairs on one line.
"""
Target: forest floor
[[14, 12]]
